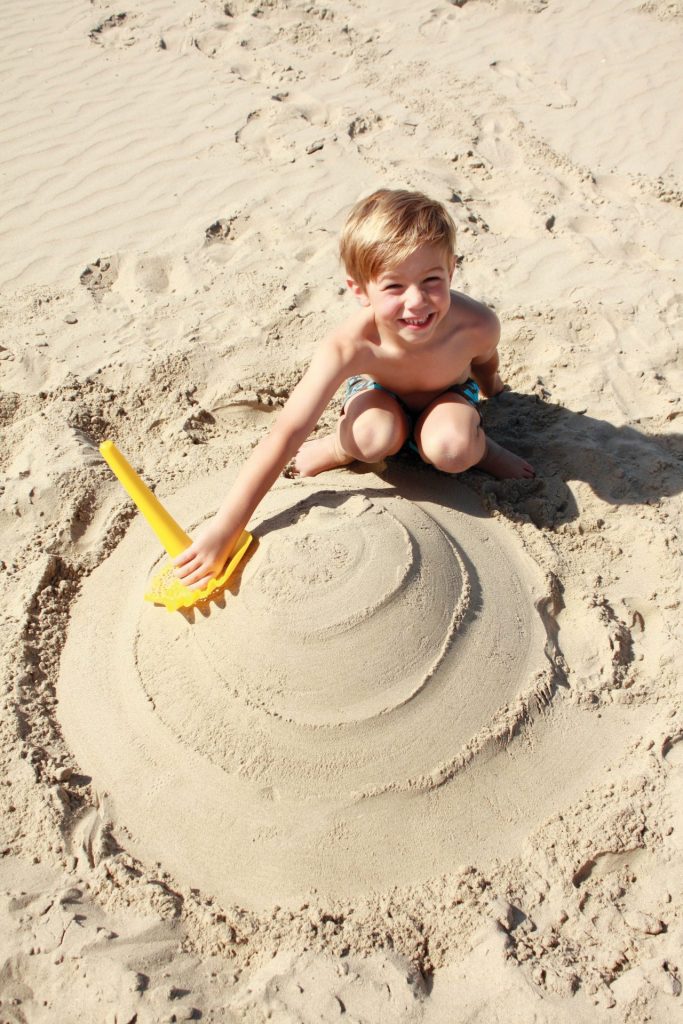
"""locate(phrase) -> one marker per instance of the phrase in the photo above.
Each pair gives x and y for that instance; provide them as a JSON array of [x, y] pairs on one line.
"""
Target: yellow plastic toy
[[165, 587]]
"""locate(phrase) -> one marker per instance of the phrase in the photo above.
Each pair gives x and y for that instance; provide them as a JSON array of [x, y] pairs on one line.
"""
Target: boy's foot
[[505, 465], [318, 455]]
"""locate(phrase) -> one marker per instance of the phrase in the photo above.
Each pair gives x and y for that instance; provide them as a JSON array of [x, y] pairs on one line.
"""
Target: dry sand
[[423, 762]]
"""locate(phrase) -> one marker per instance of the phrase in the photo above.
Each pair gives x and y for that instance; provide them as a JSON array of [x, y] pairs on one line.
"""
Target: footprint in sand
[[526, 81], [108, 32], [214, 41], [439, 22], [98, 277], [283, 134], [219, 231], [152, 274]]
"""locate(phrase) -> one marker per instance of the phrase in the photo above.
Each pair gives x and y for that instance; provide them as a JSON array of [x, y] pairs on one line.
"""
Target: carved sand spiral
[[323, 727]]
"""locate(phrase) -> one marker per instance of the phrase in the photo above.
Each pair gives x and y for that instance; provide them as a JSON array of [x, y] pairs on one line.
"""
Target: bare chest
[[419, 379]]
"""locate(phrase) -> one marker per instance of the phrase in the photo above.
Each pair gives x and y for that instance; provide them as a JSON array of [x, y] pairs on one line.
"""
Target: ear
[[358, 291], [451, 265]]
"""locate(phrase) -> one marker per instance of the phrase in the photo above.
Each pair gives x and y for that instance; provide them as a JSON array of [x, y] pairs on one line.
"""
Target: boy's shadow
[[621, 465]]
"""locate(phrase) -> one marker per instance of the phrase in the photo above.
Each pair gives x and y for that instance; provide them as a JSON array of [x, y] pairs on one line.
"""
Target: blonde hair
[[387, 227]]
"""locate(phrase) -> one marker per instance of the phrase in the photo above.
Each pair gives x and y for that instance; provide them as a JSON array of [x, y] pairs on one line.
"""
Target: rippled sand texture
[[423, 765]]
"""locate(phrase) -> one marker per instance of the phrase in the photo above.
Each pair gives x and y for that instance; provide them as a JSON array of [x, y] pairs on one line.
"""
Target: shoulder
[[350, 340], [474, 313], [475, 318]]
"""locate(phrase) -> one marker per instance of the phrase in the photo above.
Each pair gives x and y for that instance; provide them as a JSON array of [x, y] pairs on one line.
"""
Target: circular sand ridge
[[311, 681], [367, 644]]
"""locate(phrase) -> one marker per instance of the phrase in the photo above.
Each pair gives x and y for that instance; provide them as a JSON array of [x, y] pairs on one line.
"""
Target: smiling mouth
[[415, 321]]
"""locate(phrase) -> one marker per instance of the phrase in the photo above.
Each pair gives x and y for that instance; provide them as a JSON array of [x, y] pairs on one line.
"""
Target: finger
[[201, 583], [184, 570], [201, 573], [185, 556]]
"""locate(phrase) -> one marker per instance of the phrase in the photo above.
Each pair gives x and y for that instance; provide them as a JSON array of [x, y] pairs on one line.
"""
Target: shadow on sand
[[622, 465]]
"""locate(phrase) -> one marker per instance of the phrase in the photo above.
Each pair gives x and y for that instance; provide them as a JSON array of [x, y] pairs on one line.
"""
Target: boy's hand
[[207, 554]]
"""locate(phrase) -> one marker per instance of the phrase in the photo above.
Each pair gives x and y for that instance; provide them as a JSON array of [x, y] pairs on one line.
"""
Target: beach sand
[[422, 762]]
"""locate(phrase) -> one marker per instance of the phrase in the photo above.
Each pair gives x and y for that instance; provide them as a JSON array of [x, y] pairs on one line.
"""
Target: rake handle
[[173, 538]]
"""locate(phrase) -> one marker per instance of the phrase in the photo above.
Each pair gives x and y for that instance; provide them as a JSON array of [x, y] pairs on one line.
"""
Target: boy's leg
[[372, 426], [450, 437]]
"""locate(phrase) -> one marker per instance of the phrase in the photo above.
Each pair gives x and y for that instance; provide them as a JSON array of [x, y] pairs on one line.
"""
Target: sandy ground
[[423, 761]]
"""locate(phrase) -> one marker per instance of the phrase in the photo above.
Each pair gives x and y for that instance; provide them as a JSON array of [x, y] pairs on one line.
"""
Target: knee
[[452, 454], [375, 436]]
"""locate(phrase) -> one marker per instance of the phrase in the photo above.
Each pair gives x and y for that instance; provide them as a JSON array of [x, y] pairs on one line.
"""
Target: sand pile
[[424, 761], [373, 648]]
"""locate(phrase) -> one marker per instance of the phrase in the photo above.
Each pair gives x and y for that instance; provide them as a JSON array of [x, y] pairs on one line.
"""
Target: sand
[[422, 762]]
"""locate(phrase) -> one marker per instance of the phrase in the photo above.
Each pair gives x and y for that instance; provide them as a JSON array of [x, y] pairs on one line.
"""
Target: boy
[[407, 355]]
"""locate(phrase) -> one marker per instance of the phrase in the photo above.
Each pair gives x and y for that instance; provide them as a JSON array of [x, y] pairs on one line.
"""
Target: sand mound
[[375, 649]]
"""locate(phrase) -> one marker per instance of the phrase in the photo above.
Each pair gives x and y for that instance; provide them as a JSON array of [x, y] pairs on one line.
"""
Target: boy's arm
[[484, 365], [209, 552]]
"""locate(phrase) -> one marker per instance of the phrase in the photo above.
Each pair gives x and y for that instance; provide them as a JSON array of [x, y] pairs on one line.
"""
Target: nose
[[414, 298]]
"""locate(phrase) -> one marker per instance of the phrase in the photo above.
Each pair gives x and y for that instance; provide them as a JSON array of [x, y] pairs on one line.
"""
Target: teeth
[[417, 323]]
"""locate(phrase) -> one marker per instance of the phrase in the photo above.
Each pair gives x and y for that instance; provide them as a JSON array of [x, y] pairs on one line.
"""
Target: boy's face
[[411, 298]]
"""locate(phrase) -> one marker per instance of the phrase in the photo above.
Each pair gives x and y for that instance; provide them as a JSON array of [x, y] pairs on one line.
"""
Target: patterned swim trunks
[[469, 389]]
